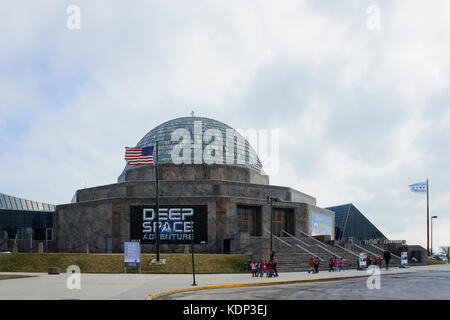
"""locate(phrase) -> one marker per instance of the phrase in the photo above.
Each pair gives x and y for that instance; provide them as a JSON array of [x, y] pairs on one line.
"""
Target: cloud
[[362, 113]]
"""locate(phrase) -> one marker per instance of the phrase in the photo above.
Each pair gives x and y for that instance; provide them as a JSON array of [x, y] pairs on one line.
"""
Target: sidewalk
[[141, 286]]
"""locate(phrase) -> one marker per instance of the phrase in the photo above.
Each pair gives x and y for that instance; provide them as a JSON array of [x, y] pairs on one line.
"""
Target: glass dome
[[241, 154]]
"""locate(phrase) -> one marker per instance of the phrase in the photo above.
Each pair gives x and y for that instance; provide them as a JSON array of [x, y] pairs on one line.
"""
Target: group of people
[[378, 261], [314, 265], [335, 264], [268, 268]]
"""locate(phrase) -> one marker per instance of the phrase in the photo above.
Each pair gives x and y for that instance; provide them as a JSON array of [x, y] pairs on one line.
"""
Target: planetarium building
[[212, 190]]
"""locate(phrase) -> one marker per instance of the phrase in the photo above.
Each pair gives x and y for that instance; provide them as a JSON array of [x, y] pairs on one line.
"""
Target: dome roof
[[241, 155]]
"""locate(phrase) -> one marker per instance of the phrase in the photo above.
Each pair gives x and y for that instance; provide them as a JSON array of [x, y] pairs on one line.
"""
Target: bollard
[[53, 270]]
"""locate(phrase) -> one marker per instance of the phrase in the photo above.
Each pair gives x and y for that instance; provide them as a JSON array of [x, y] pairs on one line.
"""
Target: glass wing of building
[[351, 223], [24, 219]]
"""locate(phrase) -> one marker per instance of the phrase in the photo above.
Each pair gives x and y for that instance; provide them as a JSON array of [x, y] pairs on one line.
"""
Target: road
[[140, 286], [432, 285]]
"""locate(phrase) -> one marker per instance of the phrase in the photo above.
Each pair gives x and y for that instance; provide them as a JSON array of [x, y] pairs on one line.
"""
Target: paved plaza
[[141, 286]]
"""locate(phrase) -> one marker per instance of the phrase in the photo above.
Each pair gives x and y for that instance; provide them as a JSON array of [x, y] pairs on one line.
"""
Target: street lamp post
[[433, 217], [270, 200], [192, 251]]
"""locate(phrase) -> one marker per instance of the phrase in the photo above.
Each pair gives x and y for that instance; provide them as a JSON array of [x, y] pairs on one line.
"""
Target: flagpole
[[157, 201], [428, 222]]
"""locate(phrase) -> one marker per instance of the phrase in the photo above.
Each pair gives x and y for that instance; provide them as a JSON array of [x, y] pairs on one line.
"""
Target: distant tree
[[446, 251]]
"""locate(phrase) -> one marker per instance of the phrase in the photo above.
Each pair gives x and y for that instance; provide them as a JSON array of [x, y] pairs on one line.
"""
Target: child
[[259, 267], [335, 264], [316, 264], [254, 267], [341, 264], [380, 261], [264, 269], [311, 265], [271, 269]]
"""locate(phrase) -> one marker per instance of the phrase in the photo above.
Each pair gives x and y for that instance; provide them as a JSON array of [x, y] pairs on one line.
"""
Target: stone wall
[[100, 219], [196, 172]]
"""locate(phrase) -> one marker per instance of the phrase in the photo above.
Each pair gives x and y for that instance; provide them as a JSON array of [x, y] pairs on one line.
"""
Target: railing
[[377, 241], [304, 243], [345, 249], [361, 248], [289, 245], [297, 239], [320, 245], [394, 255]]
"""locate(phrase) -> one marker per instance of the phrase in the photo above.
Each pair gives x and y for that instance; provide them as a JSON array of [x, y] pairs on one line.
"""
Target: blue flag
[[418, 187]]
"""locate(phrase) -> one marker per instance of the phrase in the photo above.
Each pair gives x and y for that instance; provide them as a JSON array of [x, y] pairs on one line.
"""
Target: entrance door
[[226, 246]]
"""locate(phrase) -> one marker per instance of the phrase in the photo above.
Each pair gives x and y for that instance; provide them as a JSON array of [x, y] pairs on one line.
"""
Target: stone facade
[[100, 217]]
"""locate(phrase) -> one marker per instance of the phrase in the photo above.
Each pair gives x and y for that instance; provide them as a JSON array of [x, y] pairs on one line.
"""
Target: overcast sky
[[362, 111]]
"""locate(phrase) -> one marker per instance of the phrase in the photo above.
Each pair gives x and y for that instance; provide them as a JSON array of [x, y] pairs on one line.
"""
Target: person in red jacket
[[271, 269], [311, 266], [264, 269]]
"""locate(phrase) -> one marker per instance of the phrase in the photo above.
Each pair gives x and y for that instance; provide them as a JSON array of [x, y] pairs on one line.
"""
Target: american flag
[[139, 156]]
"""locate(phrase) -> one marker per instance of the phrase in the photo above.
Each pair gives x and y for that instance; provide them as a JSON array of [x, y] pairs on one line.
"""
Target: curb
[[237, 285]]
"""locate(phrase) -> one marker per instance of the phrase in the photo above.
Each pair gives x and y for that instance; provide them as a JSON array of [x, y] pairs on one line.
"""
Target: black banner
[[175, 223]]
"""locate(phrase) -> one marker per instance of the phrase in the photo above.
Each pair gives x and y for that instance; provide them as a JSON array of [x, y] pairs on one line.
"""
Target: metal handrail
[[345, 249], [374, 254], [290, 235], [394, 255], [309, 252], [321, 245], [289, 245]]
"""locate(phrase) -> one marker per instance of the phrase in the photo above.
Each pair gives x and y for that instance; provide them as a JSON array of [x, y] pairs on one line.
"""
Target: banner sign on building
[[321, 224], [132, 253], [175, 223], [404, 257]]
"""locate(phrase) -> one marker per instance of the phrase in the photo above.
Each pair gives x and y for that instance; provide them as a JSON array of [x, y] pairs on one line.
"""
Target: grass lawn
[[435, 261], [114, 263]]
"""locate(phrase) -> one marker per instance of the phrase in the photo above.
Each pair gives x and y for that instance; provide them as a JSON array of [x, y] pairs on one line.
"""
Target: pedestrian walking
[[336, 264], [254, 267], [259, 268], [331, 265], [386, 257], [316, 264], [271, 269], [380, 262], [341, 264], [274, 260], [264, 269], [311, 266]]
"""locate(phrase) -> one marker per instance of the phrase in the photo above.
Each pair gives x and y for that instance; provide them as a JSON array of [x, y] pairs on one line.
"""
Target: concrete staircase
[[294, 253]]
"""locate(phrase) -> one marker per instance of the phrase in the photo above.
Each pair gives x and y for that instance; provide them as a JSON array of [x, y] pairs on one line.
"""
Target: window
[[278, 221], [49, 234], [282, 219], [248, 220], [39, 234]]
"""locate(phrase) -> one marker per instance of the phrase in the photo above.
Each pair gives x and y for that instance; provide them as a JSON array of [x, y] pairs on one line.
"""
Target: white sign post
[[132, 253], [362, 260], [404, 259]]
